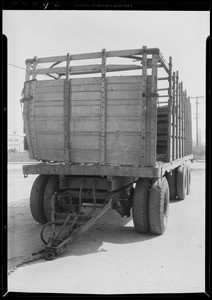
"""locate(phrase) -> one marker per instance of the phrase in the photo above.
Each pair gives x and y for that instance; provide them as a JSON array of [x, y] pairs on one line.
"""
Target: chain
[[29, 260]]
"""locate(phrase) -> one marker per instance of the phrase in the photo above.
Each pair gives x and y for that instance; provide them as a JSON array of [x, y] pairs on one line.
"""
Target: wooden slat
[[124, 52], [49, 89], [144, 50], [86, 56], [49, 112], [49, 83], [49, 97], [111, 95], [49, 125], [55, 103], [60, 70], [52, 59]]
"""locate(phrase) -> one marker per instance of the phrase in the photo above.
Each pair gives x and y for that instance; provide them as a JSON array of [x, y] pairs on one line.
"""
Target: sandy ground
[[112, 258]]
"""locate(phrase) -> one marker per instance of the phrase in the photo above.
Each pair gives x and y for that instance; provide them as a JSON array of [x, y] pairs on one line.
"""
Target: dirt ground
[[112, 258]]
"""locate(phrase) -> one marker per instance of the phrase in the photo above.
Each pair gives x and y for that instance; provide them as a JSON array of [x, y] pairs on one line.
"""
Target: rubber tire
[[188, 179], [159, 197], [181, 182], [51, 187], [140, 206], [172, 184], [36, 199]]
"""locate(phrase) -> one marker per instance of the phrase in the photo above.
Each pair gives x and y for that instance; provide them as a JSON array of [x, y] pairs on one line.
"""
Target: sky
[[180, 34]]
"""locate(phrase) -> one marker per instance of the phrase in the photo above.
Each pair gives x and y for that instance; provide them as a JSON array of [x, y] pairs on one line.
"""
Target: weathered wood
[[49, 84], [173, 119], [52, 59], [67, 112], [162, 61], [177, 115], [59, 70], [34, 68], [169, 142], [103, 109], [27, 75], [143, 107], [180, 119], [153, 114]]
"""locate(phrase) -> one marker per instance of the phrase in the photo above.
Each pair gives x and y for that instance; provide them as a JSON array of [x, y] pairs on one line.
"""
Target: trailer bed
[[104, 170]]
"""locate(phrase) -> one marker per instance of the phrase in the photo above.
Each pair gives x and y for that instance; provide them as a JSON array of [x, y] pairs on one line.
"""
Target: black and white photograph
[[106, 141]]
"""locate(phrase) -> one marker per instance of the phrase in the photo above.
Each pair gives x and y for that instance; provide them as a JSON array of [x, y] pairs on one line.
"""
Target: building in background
[[16, 142]]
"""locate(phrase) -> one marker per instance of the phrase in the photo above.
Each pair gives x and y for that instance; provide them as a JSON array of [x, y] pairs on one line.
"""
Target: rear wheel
[[51, 187], [181, 182], [188, 179], [140, 206], [36, 199], [171, 178], [159, 206]]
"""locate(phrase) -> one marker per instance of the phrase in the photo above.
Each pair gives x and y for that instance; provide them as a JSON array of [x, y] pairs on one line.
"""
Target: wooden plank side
[[118, 142], [85, 141], [47, 112], [111, 95], [134, 86], [48, 125], [116, 124], [49, 89], [51, 147], [49, 83], [85, 156], [55, 103], [123, 158], [50, 97]]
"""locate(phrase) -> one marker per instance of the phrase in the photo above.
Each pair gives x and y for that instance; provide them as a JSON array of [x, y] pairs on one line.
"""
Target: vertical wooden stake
[[180, 119], [173, 119], [103, 110], [169, 153], [177, 115], [67, 113], [143, 107], [153, 133]]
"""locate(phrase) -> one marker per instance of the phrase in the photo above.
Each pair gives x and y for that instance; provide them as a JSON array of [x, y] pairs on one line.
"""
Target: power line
[[17, 67]]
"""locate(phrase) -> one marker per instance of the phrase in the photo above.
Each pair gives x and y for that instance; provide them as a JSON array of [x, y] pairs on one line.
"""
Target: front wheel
[[51, 187], [36, 199]]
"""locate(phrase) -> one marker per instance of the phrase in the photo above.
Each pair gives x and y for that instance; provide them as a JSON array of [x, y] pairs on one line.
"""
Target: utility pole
[[197, 117]]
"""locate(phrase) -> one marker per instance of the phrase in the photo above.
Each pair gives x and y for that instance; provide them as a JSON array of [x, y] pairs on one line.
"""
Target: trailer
[[120, 139]]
